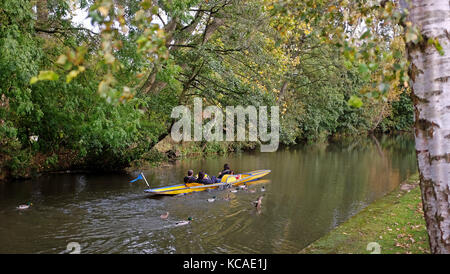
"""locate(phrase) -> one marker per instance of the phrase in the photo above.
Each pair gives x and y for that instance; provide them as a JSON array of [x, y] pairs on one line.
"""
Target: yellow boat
[[233, 180]]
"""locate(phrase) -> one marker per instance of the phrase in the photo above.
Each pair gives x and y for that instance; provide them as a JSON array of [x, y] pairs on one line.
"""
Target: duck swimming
[[258, 202], [212, 199], [25, 206], [184, 222], [263, 189], [165, 216]]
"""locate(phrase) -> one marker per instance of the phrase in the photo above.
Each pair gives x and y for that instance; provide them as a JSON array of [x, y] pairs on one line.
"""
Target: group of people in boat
[[202, 177]]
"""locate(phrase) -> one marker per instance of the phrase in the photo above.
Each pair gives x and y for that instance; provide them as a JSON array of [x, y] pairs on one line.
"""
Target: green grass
[[395, 222]]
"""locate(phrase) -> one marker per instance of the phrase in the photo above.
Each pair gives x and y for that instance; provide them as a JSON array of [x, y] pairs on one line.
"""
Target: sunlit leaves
[[44, 75], [49, 85], [412, 34], [72, 57], [109, 18], [364, 70], [74, 73], [355, 102], [365, 35], [436, 44], [150, 44], [146, 4], [370, 38], [62, 59]]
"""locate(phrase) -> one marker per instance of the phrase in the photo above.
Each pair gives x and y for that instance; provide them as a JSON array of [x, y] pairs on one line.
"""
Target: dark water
[[312, 189]]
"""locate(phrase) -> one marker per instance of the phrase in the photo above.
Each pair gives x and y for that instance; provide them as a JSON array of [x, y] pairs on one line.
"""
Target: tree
[[430, 75], [358, 28]]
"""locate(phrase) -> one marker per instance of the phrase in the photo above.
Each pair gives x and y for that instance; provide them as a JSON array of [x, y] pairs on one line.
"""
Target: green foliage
[[355, 102], [66, 113], [401, 117], [215, 148], [317, 106]]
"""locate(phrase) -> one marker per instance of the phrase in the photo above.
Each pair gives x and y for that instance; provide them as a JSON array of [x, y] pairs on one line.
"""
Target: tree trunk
[[151, 82], [430, 75], [42, 12], [282, 91], [152, 85]]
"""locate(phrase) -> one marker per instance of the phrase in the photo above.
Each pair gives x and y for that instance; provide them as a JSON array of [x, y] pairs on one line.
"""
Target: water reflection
[[311, 190]]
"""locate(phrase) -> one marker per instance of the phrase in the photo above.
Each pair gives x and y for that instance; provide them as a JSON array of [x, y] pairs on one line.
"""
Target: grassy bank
[[395, 222]]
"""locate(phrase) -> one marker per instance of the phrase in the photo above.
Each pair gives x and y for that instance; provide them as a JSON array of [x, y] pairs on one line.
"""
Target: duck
[[258, 202], [212, 199], [165, 216], [25, 206], [188, 221], [233, 191], [263, 189]]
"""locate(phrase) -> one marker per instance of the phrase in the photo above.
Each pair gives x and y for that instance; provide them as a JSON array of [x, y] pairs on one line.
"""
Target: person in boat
[[226, 171], [203, 179], [190, 178]]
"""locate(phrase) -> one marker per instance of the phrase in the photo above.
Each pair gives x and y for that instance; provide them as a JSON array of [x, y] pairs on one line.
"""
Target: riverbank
[[394, 222], [163, 154], [167, 152]]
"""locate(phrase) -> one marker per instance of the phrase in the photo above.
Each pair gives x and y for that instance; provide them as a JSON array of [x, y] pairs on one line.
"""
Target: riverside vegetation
[[78, 98]]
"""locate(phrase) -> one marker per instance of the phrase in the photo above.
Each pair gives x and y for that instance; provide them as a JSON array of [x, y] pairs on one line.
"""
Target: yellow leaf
[[109, 58], [103, 10], [62, 59], [71, 75], [33, 80], [48, 75], [103, 87]]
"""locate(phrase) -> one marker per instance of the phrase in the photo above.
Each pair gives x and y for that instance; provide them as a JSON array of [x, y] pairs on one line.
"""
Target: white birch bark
[[430, 75]]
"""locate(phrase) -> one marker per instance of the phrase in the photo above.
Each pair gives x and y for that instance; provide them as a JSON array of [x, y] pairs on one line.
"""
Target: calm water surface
[[311, 190]]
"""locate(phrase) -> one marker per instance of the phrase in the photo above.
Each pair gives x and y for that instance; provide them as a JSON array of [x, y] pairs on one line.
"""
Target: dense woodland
[[101, 97]]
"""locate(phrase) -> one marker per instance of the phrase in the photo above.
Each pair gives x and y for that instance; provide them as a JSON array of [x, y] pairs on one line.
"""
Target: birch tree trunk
[[430, 75]]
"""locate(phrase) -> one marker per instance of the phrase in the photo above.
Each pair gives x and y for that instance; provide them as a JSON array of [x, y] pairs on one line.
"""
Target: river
[[311, 190]]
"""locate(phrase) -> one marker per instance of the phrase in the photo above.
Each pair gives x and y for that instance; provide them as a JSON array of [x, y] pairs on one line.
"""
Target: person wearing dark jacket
[[226, 171], [202, 179], [190, 178]]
